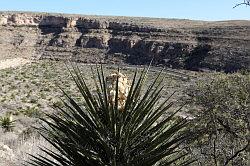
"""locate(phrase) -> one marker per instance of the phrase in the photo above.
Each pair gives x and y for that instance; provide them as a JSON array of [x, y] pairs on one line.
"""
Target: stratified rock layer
[[194, 45]]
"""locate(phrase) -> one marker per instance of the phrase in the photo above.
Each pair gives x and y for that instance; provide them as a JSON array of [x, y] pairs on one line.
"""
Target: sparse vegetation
[[31, 112], [98, 131], [223, 119], [48, 74], [46, 94], [100, 120]]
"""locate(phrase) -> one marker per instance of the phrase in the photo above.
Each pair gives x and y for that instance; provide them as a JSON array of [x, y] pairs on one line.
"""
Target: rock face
[[194, 45]]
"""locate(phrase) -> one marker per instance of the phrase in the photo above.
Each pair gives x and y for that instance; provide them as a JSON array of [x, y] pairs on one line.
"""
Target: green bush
[[31, 112], [222, 118], [7, 123], [96, 132]]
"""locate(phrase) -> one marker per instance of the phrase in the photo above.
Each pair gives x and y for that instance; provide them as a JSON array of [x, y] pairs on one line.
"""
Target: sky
[[210, 10]]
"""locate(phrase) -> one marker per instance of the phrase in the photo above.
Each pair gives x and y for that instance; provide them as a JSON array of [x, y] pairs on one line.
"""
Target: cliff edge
[[186, 44]]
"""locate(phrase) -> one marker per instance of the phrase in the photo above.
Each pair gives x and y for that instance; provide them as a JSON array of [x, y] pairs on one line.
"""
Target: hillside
[[34, 46], [185, 44]]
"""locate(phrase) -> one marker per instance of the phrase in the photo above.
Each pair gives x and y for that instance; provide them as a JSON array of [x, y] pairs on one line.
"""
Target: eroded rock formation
[[187, 44]]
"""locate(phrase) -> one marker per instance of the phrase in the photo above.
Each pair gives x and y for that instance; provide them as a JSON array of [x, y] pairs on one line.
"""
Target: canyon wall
[[185, 44]]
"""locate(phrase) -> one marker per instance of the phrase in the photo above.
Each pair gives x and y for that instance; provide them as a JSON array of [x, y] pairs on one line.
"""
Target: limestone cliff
[[194, 45]]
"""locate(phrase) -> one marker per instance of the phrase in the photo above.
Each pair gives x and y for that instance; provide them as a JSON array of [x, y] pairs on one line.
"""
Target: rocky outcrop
[[194, 45]]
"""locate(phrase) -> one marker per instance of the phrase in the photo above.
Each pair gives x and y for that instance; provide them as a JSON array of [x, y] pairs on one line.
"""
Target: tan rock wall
[[173, 43]]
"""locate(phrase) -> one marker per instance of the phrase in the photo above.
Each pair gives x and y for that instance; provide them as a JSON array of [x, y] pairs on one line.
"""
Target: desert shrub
[[7, 123], [222, 118], [31, 112], [99, 131]]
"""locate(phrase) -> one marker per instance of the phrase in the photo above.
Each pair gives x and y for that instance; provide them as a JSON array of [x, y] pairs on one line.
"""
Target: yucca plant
[[7, 123], [99, 132]]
